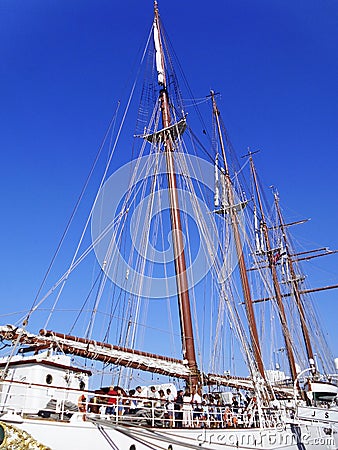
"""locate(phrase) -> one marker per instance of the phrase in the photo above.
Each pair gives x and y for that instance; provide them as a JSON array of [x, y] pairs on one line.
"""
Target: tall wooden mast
[[272, 267], [175, 216], [239, 249], [296, 290]]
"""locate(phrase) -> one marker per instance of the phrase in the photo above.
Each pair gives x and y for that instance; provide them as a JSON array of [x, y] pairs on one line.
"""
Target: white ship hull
[[103, 434], [28, 406]]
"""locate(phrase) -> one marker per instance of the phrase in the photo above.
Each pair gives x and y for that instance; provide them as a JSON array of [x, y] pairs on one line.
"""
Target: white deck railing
[[41, 401]]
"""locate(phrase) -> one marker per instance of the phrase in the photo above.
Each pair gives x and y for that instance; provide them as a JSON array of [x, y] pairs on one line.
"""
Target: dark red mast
[[296, 290], [272, 267], [175, 216], [240, 257]]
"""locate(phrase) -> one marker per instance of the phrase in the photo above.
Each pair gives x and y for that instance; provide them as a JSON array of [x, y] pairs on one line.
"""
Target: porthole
[[49, 379], [132, 447]]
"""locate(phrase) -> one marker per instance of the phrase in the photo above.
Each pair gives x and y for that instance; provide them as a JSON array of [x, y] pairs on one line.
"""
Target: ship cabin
[[42, 384]]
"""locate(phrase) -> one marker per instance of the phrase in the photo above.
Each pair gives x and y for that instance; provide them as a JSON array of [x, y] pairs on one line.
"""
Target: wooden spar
[[98, 351], [290, 224], [241, 263], [316, 250], [307, 258], [304, 258], [272, 267], [113, 354], [296, 291], [175, 217], [302, 292]]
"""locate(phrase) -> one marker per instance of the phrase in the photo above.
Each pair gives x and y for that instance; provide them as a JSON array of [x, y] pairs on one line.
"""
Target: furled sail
[[99, 351], [159, 62]]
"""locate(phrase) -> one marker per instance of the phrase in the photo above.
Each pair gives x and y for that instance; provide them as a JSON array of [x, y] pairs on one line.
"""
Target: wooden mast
[[296, 290], [175, 216], [241, 263], [272, 267]]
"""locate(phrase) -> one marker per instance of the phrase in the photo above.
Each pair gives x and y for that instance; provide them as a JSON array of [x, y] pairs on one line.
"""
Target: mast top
[[161, 77]]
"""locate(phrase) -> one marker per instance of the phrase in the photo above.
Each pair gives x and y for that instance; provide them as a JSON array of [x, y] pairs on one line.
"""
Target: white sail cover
[[159, 62], [98, 351]]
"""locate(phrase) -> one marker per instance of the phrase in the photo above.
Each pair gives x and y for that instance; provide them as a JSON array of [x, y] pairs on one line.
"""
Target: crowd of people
[[180, 409]]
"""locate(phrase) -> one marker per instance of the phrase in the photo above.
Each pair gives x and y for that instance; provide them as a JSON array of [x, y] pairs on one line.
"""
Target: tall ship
[[180, 316]]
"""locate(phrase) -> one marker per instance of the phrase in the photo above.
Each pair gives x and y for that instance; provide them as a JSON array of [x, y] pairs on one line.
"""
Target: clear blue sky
[[64, 64]]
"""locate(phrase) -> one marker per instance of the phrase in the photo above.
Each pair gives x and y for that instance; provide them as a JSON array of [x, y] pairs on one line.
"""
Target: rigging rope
[[106, 436], [73, 213]]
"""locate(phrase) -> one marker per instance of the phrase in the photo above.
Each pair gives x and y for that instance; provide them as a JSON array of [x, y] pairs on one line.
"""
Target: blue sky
[[65, 64]]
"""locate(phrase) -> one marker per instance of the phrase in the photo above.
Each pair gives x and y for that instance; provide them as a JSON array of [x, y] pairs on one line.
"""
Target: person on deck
[[187, 409], [139, 396], [132, 402], [121, 398], [154, 397], [197, 405], [178, 409], [162, 399], [170, 407], [82, 403], [112, 400]]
